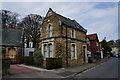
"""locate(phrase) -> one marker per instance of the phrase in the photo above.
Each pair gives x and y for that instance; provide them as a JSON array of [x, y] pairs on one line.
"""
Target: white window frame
[[75, 51], [49, 30], [45, 56], [51, 50], [88, 41], [97, 44]]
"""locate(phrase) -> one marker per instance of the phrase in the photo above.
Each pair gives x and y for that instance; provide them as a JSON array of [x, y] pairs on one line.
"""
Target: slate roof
[[71, 23], [11, 36]]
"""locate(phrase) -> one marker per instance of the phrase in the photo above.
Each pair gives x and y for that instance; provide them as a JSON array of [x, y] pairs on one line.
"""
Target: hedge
[[5, 65], [52, 63], [28, 60]]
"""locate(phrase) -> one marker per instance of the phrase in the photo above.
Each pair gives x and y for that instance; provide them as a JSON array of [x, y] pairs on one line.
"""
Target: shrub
[[52, 63], [28, 60], [38, 58], [5, 66], [97, 55]]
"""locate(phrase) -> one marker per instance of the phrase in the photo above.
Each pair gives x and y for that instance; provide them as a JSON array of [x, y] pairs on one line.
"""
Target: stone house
[[63, 37], [11, 45]]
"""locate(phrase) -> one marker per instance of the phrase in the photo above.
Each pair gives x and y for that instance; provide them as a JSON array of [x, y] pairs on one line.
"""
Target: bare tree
[[9, 19], [31, 24]]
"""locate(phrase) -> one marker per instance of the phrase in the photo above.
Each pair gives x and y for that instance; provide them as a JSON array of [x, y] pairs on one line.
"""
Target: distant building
[[92, 44], [63, 37], [115, 45], [11, 43], [29, 51]]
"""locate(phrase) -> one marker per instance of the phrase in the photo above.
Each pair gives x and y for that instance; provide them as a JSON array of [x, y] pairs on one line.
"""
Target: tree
[[106, 46], [111, 42], [38, 58], [31, 24], [9, 19]]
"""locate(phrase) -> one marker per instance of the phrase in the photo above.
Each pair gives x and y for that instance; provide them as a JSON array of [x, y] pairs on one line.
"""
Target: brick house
[[63, 37], [92, 44]]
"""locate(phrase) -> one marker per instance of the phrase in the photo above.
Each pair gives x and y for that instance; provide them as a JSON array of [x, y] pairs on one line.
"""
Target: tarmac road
[[108, 69]]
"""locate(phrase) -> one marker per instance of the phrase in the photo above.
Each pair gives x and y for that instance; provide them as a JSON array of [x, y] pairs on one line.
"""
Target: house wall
[[27, 51], [114, 50], [93, 47], [12, 52], [59, 43], [55, 27]]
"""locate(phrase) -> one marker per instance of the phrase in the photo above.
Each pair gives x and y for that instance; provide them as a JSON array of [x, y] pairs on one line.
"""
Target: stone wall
[[59, 34]]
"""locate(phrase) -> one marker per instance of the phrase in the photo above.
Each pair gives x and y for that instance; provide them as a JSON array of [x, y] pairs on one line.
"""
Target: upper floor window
[[96, 43], [73, 51], [72, 33], [50, 30], [88, 41]]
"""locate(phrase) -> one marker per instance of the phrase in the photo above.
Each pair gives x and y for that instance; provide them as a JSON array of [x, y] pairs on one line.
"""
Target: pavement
[[24, 71]]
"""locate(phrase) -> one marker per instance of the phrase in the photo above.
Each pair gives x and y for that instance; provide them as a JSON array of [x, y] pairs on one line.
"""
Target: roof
[[92, 36], [71, 23], [11, 36]]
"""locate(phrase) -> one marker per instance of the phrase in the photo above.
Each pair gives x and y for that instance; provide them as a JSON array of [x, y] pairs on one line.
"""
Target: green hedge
[[52, 63], [28, 60], [5, 66]]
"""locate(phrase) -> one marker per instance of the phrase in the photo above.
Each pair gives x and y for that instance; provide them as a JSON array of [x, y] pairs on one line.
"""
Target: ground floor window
[[48, 52], [45, 51], [73, 51], [30, 53]]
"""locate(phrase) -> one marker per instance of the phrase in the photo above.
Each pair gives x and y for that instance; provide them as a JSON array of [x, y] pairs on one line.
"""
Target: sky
[[96, 17]]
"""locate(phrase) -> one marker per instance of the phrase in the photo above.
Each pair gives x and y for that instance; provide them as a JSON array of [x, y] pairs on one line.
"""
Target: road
[[108, 69]]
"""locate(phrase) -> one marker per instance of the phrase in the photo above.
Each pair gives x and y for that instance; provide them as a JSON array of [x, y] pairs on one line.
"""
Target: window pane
[[49, 31], [72, 33], [73, 51], [45, 50], [50, 50]]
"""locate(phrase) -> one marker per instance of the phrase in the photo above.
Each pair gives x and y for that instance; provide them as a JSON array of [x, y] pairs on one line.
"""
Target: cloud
[[60, 1], [96, 20]]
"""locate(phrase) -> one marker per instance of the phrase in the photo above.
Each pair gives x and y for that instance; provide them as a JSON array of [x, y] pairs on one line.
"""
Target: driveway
[[16, 69]]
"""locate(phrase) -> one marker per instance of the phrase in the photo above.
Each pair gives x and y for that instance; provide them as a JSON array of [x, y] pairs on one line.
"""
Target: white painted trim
[[48, 40], [75, 51], [47, 29], [47, 49]]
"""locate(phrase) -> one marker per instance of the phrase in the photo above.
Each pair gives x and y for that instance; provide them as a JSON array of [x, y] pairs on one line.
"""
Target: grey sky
[[96, 17]]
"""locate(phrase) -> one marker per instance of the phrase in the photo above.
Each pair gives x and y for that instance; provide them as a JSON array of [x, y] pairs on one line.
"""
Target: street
[[108, 69]]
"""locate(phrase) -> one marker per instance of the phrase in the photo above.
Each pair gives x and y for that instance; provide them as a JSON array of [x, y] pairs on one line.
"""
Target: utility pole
[[66, 47]]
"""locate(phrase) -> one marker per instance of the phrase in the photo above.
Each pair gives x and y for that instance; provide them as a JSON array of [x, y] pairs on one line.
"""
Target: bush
[[28, 60], [5, 66], [97, 55], [52, 63], [38, 58]]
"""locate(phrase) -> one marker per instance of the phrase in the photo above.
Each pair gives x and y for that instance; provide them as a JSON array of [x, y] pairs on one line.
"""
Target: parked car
[[116, 55]]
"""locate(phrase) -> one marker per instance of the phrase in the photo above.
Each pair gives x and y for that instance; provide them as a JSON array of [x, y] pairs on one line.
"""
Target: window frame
[[50, 50], [49, 30], [72, 33], [45, 50], [75, 51]]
